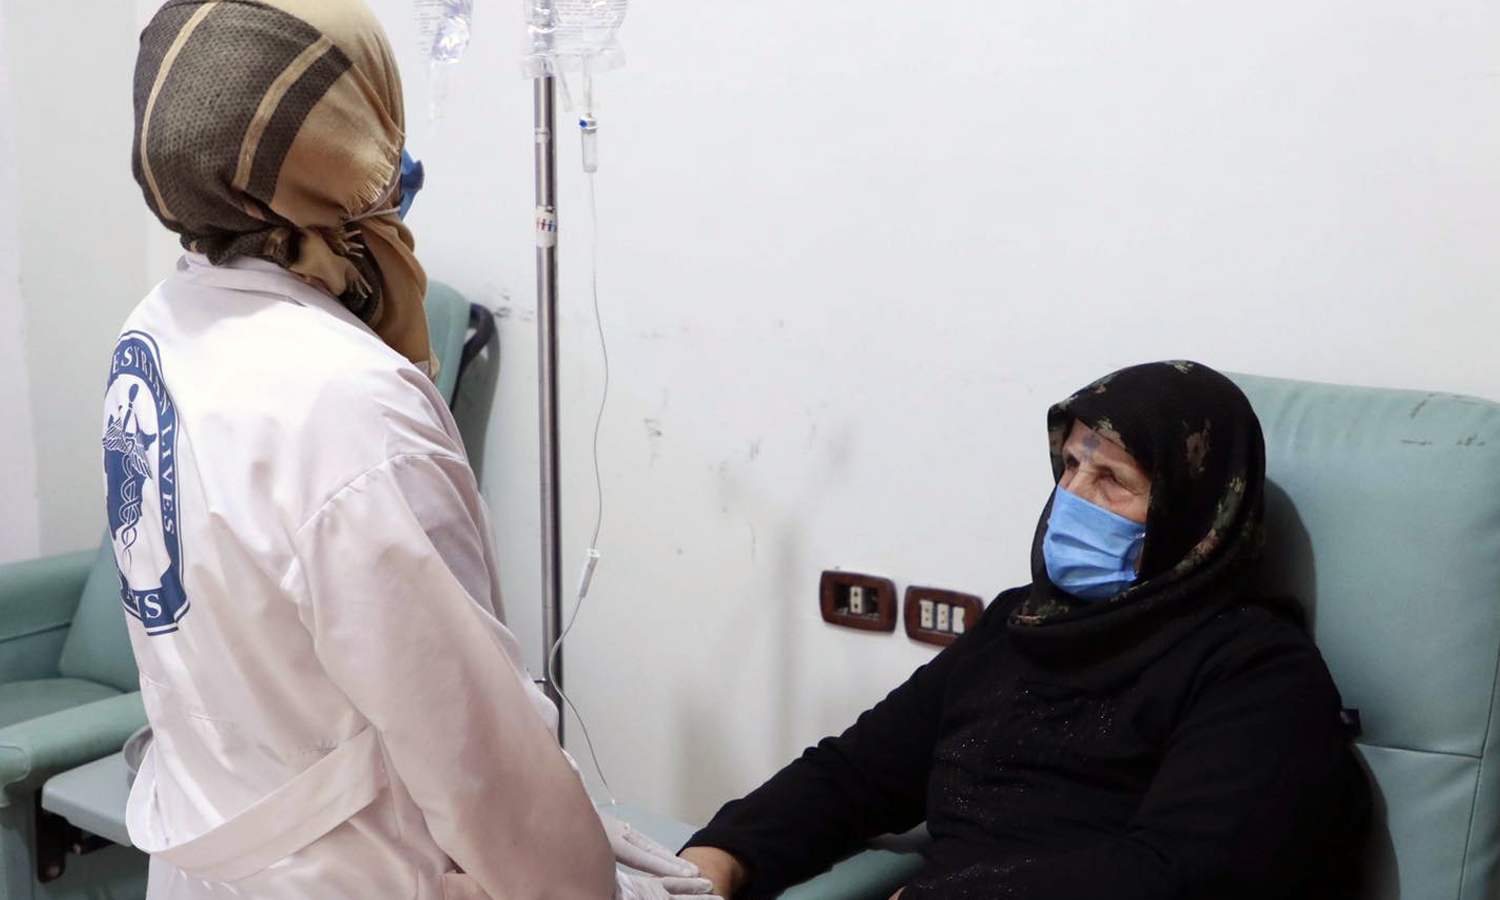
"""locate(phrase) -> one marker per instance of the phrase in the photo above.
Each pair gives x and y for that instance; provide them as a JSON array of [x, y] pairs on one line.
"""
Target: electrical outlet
[[857, 600], [866, 602], [938, 616]]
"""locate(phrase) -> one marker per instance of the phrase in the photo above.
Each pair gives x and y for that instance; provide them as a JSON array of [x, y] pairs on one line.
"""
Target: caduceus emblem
[[127, 466]]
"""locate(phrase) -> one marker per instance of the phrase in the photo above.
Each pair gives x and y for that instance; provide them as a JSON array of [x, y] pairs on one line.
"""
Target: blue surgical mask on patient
[[1091, 553], [412, 176]]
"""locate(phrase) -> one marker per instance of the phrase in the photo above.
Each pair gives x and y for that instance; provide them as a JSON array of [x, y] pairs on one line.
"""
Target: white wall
[[851, 254], [81, 261], [19, 535]]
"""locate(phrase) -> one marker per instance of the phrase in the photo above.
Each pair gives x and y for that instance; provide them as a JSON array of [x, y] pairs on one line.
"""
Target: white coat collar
[[243, 273]]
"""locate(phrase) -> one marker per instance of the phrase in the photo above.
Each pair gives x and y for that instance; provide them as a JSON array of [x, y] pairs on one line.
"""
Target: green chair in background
[[69, 690]]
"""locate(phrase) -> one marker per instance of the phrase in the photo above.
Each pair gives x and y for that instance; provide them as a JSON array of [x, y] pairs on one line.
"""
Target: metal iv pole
[[544, 117]]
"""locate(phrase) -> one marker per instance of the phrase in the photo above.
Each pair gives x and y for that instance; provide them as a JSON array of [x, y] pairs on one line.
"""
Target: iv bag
[[443, 28], [571, 36]]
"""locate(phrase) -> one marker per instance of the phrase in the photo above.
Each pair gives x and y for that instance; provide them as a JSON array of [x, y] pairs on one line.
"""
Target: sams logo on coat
[[140, 475]]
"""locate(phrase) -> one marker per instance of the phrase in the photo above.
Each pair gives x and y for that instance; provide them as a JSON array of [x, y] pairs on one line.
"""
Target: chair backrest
[[447, 326], [1384, 519], [473, 357], [98, 644]]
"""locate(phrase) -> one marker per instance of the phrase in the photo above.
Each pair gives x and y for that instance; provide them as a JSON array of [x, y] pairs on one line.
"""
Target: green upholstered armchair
[[68, 695], [69, 690], [1383, 517]]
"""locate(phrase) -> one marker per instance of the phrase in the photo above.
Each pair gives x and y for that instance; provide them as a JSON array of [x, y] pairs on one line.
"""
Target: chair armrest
[[874, 873], [38, 599], [35, 750]]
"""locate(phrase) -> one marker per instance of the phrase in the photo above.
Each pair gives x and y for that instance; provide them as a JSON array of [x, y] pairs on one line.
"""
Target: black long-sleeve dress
[[1208, 761]]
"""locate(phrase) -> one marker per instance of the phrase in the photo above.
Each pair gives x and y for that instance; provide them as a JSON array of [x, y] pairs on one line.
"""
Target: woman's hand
[[725, 871]]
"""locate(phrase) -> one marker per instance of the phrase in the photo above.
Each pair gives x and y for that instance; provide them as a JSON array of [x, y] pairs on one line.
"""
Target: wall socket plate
[[938, 616], [866, 602]]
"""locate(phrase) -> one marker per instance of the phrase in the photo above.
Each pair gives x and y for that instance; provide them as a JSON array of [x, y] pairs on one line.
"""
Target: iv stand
[[544, 103]]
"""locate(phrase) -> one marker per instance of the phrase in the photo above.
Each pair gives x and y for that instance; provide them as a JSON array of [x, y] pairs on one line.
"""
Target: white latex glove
[[647, 887], [640, 852], [637, 887]]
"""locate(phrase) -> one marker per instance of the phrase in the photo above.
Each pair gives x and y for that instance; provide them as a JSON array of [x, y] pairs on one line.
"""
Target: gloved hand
[[648, 887], [640, 852]]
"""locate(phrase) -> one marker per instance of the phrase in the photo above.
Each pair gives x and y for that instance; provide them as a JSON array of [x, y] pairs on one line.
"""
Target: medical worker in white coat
[[304, 555]]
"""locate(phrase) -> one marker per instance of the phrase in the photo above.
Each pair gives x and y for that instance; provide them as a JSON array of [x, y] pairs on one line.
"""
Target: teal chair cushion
[[98, 644], [21, 701], [447, 326], [1384, 519], [38, 599]]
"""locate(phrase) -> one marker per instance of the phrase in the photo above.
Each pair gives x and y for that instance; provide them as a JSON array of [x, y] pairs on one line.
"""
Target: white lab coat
[[338, 710]]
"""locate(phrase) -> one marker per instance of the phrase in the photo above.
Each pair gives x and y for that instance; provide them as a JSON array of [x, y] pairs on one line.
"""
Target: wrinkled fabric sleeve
[[393, 573], [1257, 787], [870, 780]]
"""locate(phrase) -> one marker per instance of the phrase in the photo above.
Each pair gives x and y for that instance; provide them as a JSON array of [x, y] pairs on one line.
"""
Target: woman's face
[[1102, 473]]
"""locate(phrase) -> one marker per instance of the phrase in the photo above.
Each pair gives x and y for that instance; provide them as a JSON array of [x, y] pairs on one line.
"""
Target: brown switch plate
[[866, 602], [957, 611]]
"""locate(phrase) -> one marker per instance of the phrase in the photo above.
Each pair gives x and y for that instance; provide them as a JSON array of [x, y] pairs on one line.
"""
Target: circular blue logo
[[140, 474]]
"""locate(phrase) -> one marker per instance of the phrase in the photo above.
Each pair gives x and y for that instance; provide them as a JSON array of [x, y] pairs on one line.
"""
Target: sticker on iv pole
[[546, 227], [140, 472]]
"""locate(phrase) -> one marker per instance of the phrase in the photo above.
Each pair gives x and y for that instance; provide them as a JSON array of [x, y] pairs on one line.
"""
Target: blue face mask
[[412, 176], [1090, 552]]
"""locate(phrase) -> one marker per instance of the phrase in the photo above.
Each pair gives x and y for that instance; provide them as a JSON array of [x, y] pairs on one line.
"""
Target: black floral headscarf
[[1197, 436]]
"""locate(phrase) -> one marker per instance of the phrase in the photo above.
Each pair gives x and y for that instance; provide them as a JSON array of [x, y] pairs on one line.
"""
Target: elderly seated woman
[[1131, 725]]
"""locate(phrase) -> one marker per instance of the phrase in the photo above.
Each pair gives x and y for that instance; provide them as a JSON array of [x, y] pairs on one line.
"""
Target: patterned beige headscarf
[[274, 129]]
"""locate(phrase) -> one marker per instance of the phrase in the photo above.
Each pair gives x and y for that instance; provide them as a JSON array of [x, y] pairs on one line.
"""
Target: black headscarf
[[1197, 436]]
